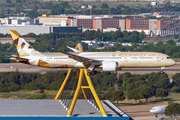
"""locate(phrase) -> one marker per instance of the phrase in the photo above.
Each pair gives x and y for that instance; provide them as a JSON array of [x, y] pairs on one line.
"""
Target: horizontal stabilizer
[[16, 56]]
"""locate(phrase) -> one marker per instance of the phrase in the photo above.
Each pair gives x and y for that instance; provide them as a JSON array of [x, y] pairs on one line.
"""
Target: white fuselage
[[158, 109], [124, 59]]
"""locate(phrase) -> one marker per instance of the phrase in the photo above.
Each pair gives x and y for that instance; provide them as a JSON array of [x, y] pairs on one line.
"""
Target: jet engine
[[109, 66]]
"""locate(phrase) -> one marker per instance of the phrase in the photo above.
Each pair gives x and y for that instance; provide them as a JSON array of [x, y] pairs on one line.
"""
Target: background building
[[168, 27], [102, 24], [19, 21], [54, 20], [105, 23], [154, 27], [138, 25], [23, 30]]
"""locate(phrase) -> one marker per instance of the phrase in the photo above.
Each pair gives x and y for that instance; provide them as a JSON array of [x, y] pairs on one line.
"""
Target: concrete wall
[[23, 30], [122, 24], [153, 26], [73, 22], [146, 31], [99, 24]]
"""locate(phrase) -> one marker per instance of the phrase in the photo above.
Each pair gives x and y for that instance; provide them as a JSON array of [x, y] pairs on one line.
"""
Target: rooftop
[[54, 108]]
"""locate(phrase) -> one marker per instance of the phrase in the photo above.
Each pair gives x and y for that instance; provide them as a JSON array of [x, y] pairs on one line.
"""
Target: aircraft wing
[[86, 61]]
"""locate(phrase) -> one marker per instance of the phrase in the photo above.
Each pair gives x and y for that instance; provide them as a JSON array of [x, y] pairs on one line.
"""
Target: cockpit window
[[153, 109], [168, 57]]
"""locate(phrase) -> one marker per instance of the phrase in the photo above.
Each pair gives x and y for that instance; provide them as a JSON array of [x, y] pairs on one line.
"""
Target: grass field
[[134, 110], [23, 94], [111, 4]]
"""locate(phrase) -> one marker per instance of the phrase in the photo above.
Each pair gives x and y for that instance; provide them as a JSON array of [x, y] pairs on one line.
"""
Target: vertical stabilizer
[[23, 47]]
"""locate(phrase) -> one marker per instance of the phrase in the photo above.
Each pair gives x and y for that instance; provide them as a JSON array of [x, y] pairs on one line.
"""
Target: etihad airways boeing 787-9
[[92, 61]]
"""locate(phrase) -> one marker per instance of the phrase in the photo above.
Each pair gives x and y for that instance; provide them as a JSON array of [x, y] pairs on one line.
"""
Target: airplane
[[92, 61], [158, 110]]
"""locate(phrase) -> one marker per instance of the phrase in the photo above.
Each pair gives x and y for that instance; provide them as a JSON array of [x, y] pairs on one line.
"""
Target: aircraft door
[[159, 58], [126, 59], [41, 58], [44, 59]]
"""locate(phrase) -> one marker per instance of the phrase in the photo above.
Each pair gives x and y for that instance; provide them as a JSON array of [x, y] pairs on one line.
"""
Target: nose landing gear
[[162, 68]]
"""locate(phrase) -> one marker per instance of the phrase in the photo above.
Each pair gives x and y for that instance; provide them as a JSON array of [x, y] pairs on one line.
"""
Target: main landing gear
[[162, 68], [92, 73]]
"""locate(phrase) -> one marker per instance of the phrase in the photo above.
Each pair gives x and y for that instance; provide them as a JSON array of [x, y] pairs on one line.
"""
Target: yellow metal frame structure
[[80, 85]]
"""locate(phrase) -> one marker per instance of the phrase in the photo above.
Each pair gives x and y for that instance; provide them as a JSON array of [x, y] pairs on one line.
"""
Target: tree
[[130, 87], [161, 92], [118, 95], [101, 45], [32, 35], [119, 7], [65, 4], [146, 92], [23, 1], [33, 14], [133, 94], [175, 89], [176, 36], [163, 83], [177, 75], [18, 1], [104, 6], [172, 109], [171, 42], [176, 79], [8, 1], [142, 35], [108, 95]]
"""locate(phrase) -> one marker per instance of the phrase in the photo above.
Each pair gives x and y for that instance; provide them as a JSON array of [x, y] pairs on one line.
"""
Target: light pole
[[83, 7]]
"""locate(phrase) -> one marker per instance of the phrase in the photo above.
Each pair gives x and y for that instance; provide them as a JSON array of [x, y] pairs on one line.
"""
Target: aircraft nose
[[152, 111], [173, 62], [170, 62]]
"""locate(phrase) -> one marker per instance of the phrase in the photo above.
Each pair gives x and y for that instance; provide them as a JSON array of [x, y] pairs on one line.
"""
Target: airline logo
[[135, 54], [22, 46]]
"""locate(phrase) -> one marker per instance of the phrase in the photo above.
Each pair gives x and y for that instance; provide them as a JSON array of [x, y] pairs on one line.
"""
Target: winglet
[[73, 49], [79, 47]]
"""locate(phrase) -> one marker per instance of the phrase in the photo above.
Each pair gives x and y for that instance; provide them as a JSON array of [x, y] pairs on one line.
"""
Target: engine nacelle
[[109, 66]]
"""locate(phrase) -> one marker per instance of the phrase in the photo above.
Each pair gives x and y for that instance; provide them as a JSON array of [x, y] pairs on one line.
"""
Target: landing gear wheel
[[92, 73], [89, 73]]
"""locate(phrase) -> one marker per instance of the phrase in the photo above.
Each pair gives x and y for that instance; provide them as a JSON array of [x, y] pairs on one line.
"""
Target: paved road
[[145, 118], [150, 69], [9, 67]]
